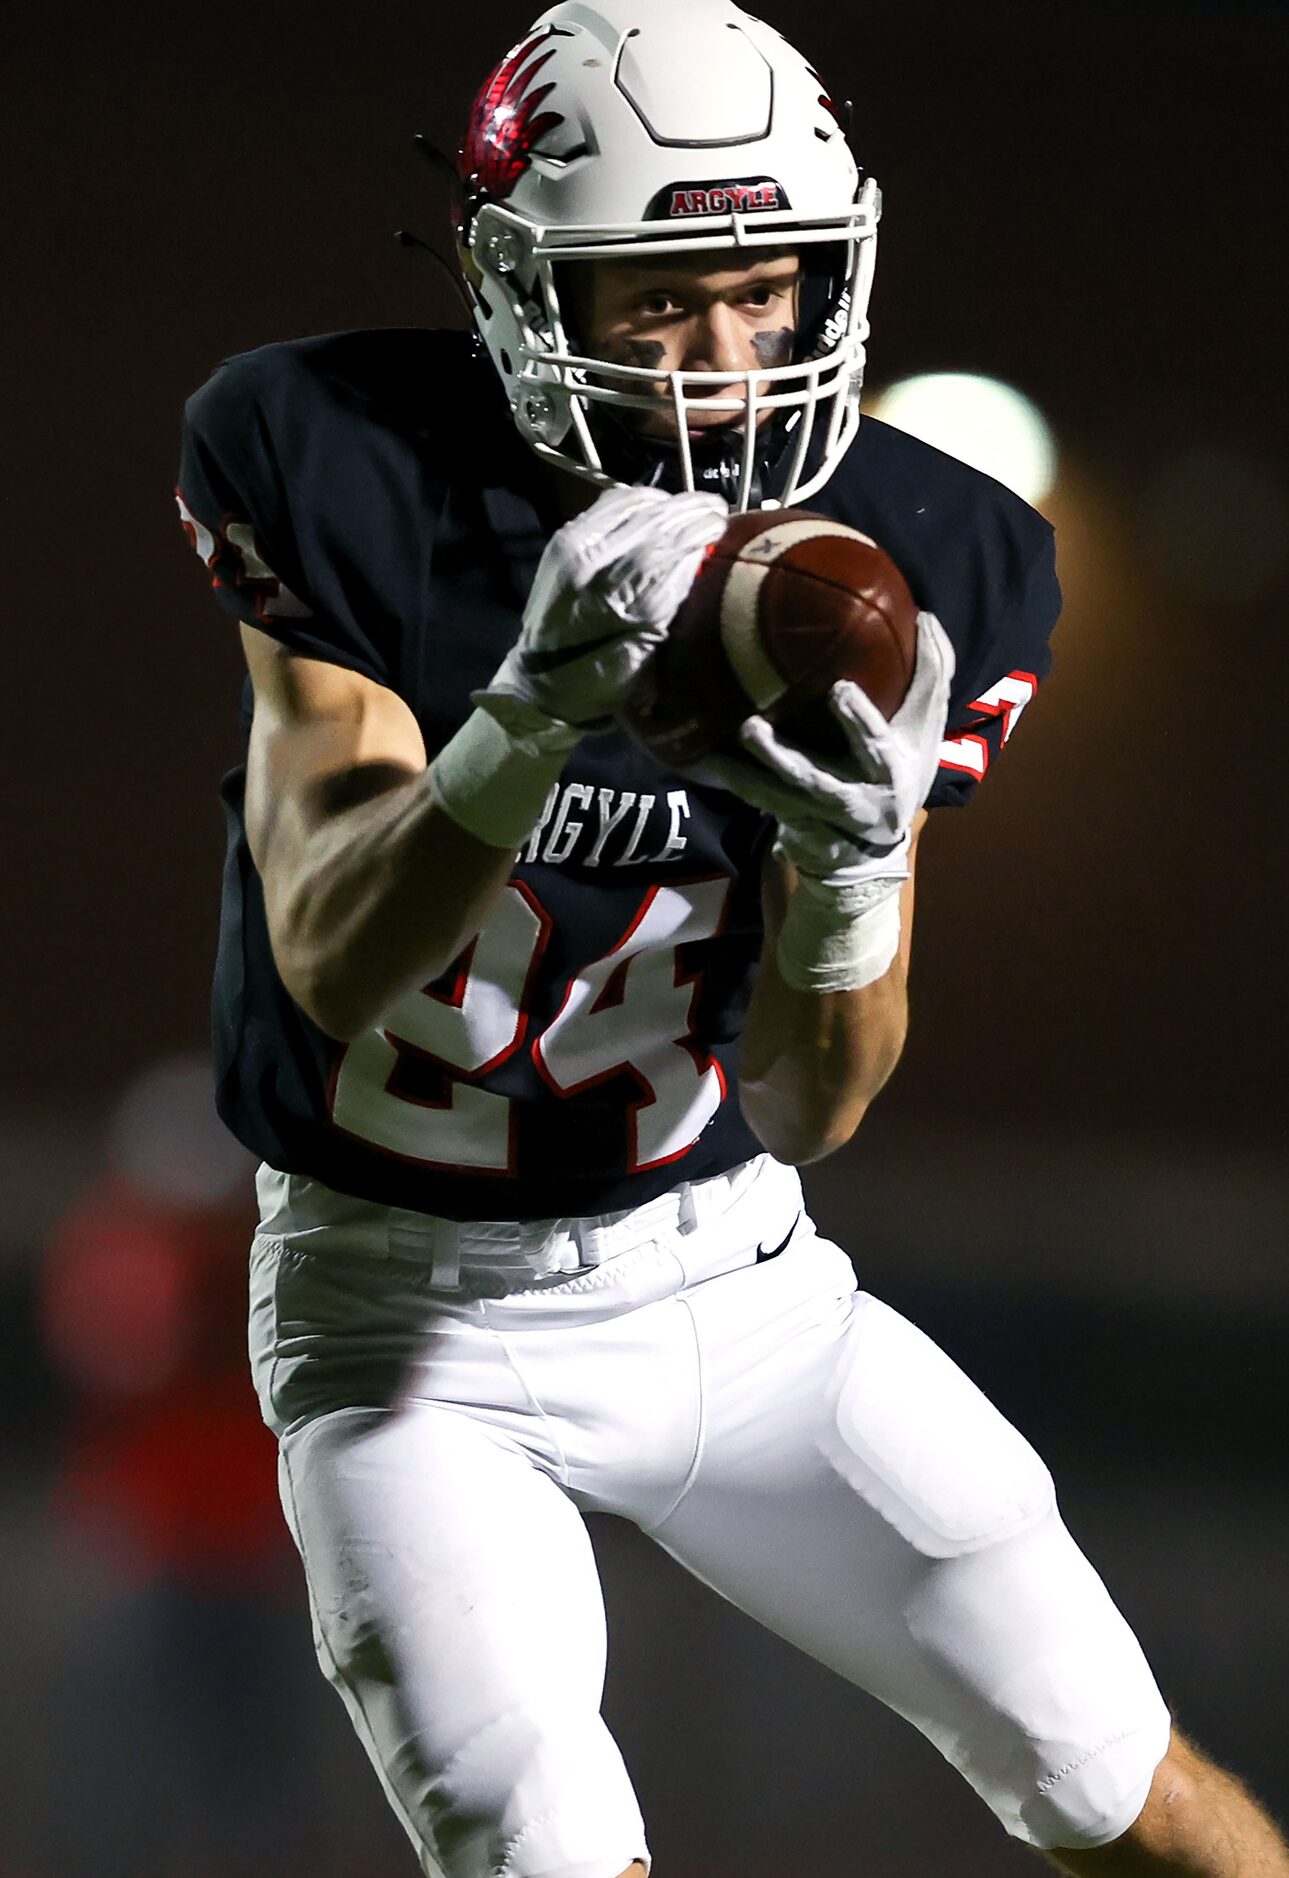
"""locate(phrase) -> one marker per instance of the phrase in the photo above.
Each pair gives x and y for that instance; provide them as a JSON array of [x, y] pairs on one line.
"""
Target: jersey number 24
[[628, 1012]]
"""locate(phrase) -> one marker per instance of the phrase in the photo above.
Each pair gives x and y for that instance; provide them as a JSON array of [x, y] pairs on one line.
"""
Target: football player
[[531, 1035]]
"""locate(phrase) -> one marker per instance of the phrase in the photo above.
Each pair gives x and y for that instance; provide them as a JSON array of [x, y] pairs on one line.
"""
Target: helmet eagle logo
[[507, 121]]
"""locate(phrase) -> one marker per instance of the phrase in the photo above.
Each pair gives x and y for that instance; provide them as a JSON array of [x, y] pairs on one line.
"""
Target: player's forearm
[[812, 1062], [378, 898]]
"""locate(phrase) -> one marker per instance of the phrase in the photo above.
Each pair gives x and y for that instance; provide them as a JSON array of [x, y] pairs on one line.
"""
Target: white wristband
[[839, 936], [494, 776]]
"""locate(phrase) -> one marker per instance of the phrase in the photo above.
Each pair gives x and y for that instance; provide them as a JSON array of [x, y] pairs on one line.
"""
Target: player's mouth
[[697, 424], [714, 420]]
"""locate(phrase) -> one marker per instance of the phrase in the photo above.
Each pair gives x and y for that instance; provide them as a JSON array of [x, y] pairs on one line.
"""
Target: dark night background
[[1077, 1180]]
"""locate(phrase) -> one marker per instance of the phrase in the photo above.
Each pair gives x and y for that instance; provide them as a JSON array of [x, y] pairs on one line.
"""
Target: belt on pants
[[492, 1257]]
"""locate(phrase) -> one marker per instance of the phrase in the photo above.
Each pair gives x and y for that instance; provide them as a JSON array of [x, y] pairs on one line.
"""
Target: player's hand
[[853, 820], [608, 586]]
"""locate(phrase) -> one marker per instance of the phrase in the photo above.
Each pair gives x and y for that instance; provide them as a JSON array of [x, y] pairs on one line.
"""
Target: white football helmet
[[655, 127]]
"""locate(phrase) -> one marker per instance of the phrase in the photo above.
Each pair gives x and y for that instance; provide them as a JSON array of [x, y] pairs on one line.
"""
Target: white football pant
[[451, 1399]]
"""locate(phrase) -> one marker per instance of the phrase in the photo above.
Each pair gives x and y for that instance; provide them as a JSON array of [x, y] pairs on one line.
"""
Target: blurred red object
[[144, 1307]]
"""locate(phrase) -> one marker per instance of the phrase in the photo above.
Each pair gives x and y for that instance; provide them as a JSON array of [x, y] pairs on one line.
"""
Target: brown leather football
[[785, 604]]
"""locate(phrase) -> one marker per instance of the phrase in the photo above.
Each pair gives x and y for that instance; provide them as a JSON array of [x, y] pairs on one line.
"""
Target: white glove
[[847, 830], [608, 586], [859, 816]]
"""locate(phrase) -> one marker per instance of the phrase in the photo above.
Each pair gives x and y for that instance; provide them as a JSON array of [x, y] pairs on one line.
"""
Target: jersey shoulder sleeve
[[983, 561], [262, 500], [1000, 669]]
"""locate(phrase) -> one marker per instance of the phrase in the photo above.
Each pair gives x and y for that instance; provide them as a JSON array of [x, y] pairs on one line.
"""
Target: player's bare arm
[[378, 869], [812, 1062], [370, 887]]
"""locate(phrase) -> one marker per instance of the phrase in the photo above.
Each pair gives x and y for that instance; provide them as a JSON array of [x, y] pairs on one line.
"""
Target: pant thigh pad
[[916, 1439]]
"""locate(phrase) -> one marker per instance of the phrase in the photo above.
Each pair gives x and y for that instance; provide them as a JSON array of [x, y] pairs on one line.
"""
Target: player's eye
[[656, 305], [768, 293]]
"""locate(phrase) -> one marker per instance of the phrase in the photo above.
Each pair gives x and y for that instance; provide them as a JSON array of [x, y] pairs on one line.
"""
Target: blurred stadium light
[[986, 423]]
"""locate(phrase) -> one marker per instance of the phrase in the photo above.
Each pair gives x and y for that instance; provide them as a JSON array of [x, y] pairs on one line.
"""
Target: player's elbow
[[802, 1107], [798, 1138], [346, 983], [336, 1017], [328, 998], [334, 962], [344, 999], [328, 981]]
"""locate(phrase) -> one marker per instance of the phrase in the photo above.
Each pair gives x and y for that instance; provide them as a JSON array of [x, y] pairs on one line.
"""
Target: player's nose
[[718, 342]]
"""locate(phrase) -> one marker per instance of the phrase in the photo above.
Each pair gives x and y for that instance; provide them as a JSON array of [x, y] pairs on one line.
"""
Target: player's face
[[712, 313]]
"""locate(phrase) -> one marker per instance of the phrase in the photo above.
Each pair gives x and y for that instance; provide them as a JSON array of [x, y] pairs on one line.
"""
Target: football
[[785, 604]]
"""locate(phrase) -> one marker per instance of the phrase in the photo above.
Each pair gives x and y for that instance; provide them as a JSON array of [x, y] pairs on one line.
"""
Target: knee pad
[[541, 1793], [1069, 1724], [1095, 1796], [1029, 1679], [528, 1800]]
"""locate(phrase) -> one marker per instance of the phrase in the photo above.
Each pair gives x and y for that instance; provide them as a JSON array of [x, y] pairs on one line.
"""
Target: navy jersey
[[364, 498]]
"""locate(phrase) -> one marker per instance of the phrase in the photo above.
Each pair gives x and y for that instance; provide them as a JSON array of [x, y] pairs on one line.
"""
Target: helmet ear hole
[[824, 275]]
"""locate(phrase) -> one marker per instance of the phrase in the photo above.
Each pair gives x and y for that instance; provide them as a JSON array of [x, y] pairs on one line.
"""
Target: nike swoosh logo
[[762, 1256]]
